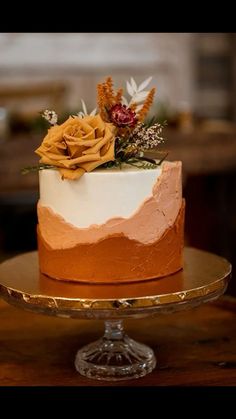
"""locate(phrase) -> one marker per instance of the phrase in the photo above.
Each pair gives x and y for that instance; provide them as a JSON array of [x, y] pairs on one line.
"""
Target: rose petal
[[98, 146], [84, 125], [72, 174], [97, 123], [82, 159], [75, 150], [109, 156], [86, 143], [51, 162], [74, 131]]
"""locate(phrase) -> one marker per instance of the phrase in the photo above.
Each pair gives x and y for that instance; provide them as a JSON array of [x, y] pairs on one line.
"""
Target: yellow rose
[[78, 145]]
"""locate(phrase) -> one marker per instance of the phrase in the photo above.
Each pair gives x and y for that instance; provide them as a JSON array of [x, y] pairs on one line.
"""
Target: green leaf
[[30, 169]]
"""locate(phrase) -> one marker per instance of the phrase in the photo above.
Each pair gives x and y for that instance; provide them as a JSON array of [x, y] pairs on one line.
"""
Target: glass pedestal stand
[[115, 356]]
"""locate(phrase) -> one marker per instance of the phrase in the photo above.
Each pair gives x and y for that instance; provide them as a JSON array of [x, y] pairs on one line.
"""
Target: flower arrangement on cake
[[111, 136]]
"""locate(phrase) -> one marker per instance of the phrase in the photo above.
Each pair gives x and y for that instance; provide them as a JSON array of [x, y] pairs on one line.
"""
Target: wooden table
[[195, 347]]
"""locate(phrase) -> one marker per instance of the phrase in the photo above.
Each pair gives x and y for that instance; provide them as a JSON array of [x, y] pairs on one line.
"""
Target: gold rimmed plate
[[204, 277]]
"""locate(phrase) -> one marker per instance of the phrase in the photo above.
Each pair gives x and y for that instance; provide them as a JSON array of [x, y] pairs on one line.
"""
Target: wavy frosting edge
[[146, 225], [116, 259]]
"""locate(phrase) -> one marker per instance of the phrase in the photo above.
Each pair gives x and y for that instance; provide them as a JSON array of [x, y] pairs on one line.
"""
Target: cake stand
[[115, 356]]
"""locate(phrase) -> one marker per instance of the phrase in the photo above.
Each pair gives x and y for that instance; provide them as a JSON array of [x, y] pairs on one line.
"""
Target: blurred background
[[195, 76]]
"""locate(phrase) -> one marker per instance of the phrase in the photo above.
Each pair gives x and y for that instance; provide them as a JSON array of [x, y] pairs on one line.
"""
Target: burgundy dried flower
[[122, 116]]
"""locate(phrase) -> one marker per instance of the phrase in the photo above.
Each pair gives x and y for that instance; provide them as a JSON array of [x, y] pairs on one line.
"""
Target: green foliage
[[30, 169]]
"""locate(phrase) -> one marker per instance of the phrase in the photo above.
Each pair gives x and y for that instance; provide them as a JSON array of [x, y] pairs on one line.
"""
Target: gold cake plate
[[204, 278]]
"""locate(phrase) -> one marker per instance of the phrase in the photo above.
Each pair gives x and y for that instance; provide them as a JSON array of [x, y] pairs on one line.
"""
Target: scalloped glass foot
[[115, 356]]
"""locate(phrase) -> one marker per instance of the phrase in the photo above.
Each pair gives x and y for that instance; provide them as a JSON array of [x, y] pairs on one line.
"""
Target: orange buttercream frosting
[[116, 258], [78, 145]]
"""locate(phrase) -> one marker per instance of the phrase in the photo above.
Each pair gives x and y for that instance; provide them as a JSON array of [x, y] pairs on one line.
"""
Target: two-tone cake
[[107, 213]]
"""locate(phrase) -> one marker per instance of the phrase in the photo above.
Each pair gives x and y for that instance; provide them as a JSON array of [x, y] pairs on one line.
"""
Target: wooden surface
[[195, 347]]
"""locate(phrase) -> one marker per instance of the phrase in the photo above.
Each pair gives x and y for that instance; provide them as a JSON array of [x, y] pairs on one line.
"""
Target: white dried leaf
[[144, 84], [140, 97], [124, 101], [129, 89], [133, 84], [84, 107], [93, 113]]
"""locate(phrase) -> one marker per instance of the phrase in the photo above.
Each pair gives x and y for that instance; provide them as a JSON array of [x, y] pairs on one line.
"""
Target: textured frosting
[[146, 225], [116, 258], [97, 196]]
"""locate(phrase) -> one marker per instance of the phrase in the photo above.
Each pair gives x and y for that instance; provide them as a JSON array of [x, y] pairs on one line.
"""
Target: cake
[[107, 213]]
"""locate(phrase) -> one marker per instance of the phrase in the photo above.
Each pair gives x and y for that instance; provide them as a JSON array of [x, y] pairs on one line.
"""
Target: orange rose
[[78, 145]]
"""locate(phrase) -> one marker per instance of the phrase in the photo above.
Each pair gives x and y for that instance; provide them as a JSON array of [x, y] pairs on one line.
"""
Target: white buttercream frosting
[[97, 196]]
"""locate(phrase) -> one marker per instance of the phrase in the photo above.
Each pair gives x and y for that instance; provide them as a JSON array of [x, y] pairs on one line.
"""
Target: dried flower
[[102, 102], [119, 95], [50, 116], [146, 138], [147, 104], [107, 97], [78, 146], [122, 116]]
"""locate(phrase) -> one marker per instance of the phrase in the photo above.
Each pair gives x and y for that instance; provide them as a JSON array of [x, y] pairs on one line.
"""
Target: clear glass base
[[115, 356]]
